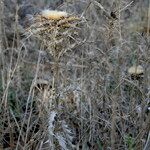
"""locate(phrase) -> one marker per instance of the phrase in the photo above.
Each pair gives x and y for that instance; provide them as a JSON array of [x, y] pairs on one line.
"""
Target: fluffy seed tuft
[[136, 70], [53, 14]]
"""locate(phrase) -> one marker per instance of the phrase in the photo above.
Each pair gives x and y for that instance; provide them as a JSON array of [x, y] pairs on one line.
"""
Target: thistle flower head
[[136, 70], [53, 14]]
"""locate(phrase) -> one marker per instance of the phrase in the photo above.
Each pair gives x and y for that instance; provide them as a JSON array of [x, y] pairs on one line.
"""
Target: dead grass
[[66, 85]]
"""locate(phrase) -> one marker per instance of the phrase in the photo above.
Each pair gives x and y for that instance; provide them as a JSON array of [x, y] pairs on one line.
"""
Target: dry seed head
[[136, 70], [55, 29], [53, 14]]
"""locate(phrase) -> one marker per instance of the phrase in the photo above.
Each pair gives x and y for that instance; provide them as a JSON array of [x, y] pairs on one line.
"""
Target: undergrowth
[[65, 83]]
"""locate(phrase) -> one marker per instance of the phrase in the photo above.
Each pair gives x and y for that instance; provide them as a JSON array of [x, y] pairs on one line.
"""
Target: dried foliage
[[76, 77], [55, 29]]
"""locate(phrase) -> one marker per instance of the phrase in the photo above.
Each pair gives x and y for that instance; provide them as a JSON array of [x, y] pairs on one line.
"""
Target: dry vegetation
[[80, 81]]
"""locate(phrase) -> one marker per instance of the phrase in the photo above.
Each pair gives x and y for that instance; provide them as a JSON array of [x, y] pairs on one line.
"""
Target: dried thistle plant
[[55, 29]]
